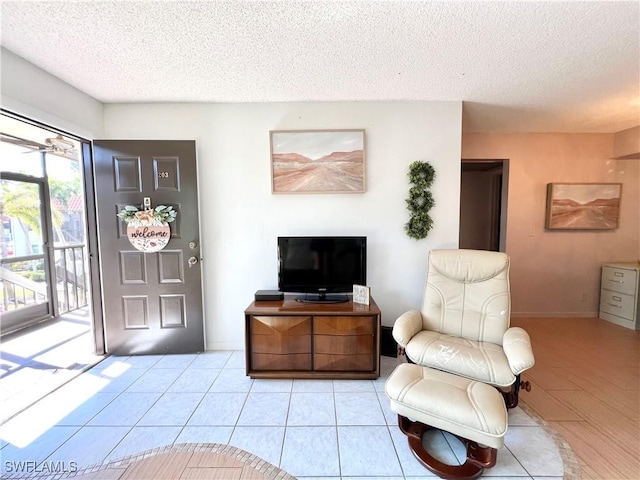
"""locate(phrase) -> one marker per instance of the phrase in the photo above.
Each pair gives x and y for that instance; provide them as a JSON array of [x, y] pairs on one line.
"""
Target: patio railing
[[18, 291], [71, 277]]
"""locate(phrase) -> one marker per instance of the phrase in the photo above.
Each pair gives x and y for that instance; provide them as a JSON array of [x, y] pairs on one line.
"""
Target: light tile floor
[[37, 360], [320, 429]]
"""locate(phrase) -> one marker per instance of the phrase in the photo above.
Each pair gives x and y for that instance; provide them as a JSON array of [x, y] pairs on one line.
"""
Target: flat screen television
[[322, 268]]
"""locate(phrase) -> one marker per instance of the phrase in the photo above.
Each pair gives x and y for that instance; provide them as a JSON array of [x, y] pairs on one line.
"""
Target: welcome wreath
[[148, 230], [420, 201]]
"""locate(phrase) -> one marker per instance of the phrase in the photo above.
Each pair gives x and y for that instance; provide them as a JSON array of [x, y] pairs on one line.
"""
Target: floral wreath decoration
[[154, 216], [420, 201]]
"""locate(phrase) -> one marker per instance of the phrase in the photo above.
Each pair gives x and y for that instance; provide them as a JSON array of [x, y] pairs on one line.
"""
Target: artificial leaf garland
[[154, 216], [420, 201]]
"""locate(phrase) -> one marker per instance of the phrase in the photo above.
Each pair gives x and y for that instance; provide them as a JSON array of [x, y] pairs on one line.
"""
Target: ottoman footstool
[[473, 411]]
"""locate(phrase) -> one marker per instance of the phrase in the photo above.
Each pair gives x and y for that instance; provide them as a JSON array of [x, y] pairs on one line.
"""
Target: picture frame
[[361, 294], [583, 206], [317, 161]]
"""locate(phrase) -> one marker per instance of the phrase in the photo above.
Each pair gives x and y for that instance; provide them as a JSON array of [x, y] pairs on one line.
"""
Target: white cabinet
[[619, 294]]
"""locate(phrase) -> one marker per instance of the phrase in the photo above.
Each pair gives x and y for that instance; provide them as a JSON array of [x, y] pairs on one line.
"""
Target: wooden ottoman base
[[478, 457]]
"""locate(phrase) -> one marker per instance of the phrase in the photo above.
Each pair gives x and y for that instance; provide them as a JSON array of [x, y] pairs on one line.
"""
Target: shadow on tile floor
[[37, 360]]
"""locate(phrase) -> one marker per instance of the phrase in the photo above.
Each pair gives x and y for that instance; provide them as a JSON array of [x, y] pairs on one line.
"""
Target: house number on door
[[163, 174]]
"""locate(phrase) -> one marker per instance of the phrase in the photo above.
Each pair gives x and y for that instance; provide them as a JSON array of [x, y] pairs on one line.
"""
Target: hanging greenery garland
[[154, 216], [420, 201]]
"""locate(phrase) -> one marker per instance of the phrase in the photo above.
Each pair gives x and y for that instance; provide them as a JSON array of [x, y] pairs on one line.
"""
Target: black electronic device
[[388, 345], [268, 295], [324, 268]]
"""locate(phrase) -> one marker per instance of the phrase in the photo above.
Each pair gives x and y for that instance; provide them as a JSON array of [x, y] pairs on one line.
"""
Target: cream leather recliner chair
[[463, 326]]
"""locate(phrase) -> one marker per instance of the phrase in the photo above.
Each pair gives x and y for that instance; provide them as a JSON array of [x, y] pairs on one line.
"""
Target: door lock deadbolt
[[193, 245]]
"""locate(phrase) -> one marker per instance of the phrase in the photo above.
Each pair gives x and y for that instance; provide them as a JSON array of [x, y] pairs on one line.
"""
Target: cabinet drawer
[[281, 345], [343, 344], [342, 363], [619, 280], [617, 304], [280, 326], [293, 362], [343, 325]]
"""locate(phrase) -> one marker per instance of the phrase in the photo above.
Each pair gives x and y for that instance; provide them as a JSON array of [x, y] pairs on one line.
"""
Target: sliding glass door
[[26, 281], [43, 253]]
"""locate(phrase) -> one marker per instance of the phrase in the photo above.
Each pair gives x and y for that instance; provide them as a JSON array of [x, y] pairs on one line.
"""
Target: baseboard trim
[[554, 314], [224, 346]]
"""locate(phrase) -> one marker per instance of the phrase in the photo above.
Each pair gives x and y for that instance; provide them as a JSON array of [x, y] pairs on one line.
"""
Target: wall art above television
[[317, 161], [583, 206]]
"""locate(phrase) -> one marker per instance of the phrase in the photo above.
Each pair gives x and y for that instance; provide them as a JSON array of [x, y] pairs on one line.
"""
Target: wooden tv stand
[[289, 339]]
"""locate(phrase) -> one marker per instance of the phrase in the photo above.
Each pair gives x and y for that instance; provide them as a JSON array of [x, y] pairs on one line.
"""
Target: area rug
[[186, 461], [570, 462]]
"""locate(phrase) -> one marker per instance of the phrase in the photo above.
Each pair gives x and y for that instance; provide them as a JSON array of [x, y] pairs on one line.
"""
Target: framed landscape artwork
[[583, 206], [317, 161]]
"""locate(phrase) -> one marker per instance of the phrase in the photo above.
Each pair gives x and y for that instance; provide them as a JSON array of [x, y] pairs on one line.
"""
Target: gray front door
[[152, 301]]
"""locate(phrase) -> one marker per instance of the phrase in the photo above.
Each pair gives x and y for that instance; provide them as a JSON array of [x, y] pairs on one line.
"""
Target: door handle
[[192, 261]]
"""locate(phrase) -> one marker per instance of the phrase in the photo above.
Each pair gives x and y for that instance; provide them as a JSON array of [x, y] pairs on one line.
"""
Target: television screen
[[320, 265]]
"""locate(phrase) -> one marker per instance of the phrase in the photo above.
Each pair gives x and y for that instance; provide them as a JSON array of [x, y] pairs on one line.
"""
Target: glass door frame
[[29, 315], [93, 250]]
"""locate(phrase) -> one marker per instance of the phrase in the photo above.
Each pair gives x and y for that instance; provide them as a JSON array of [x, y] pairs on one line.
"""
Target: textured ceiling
[[518, 66]]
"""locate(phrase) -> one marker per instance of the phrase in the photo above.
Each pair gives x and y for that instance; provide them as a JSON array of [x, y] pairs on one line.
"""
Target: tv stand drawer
[[343, 325], [279, 345], [343, 344], [342, 363], [280, 326], [290, 362]]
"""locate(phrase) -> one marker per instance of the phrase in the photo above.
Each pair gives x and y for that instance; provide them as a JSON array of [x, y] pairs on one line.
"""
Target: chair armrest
[[406, 326], [517, 347]]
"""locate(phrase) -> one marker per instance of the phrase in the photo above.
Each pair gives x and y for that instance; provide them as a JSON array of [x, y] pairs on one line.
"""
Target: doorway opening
[[483, 204], [46, 319]]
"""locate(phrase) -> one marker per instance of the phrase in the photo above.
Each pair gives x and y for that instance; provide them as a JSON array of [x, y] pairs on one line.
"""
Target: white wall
[[626, 144], [30, 91], [556, 273], [241, 218]]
